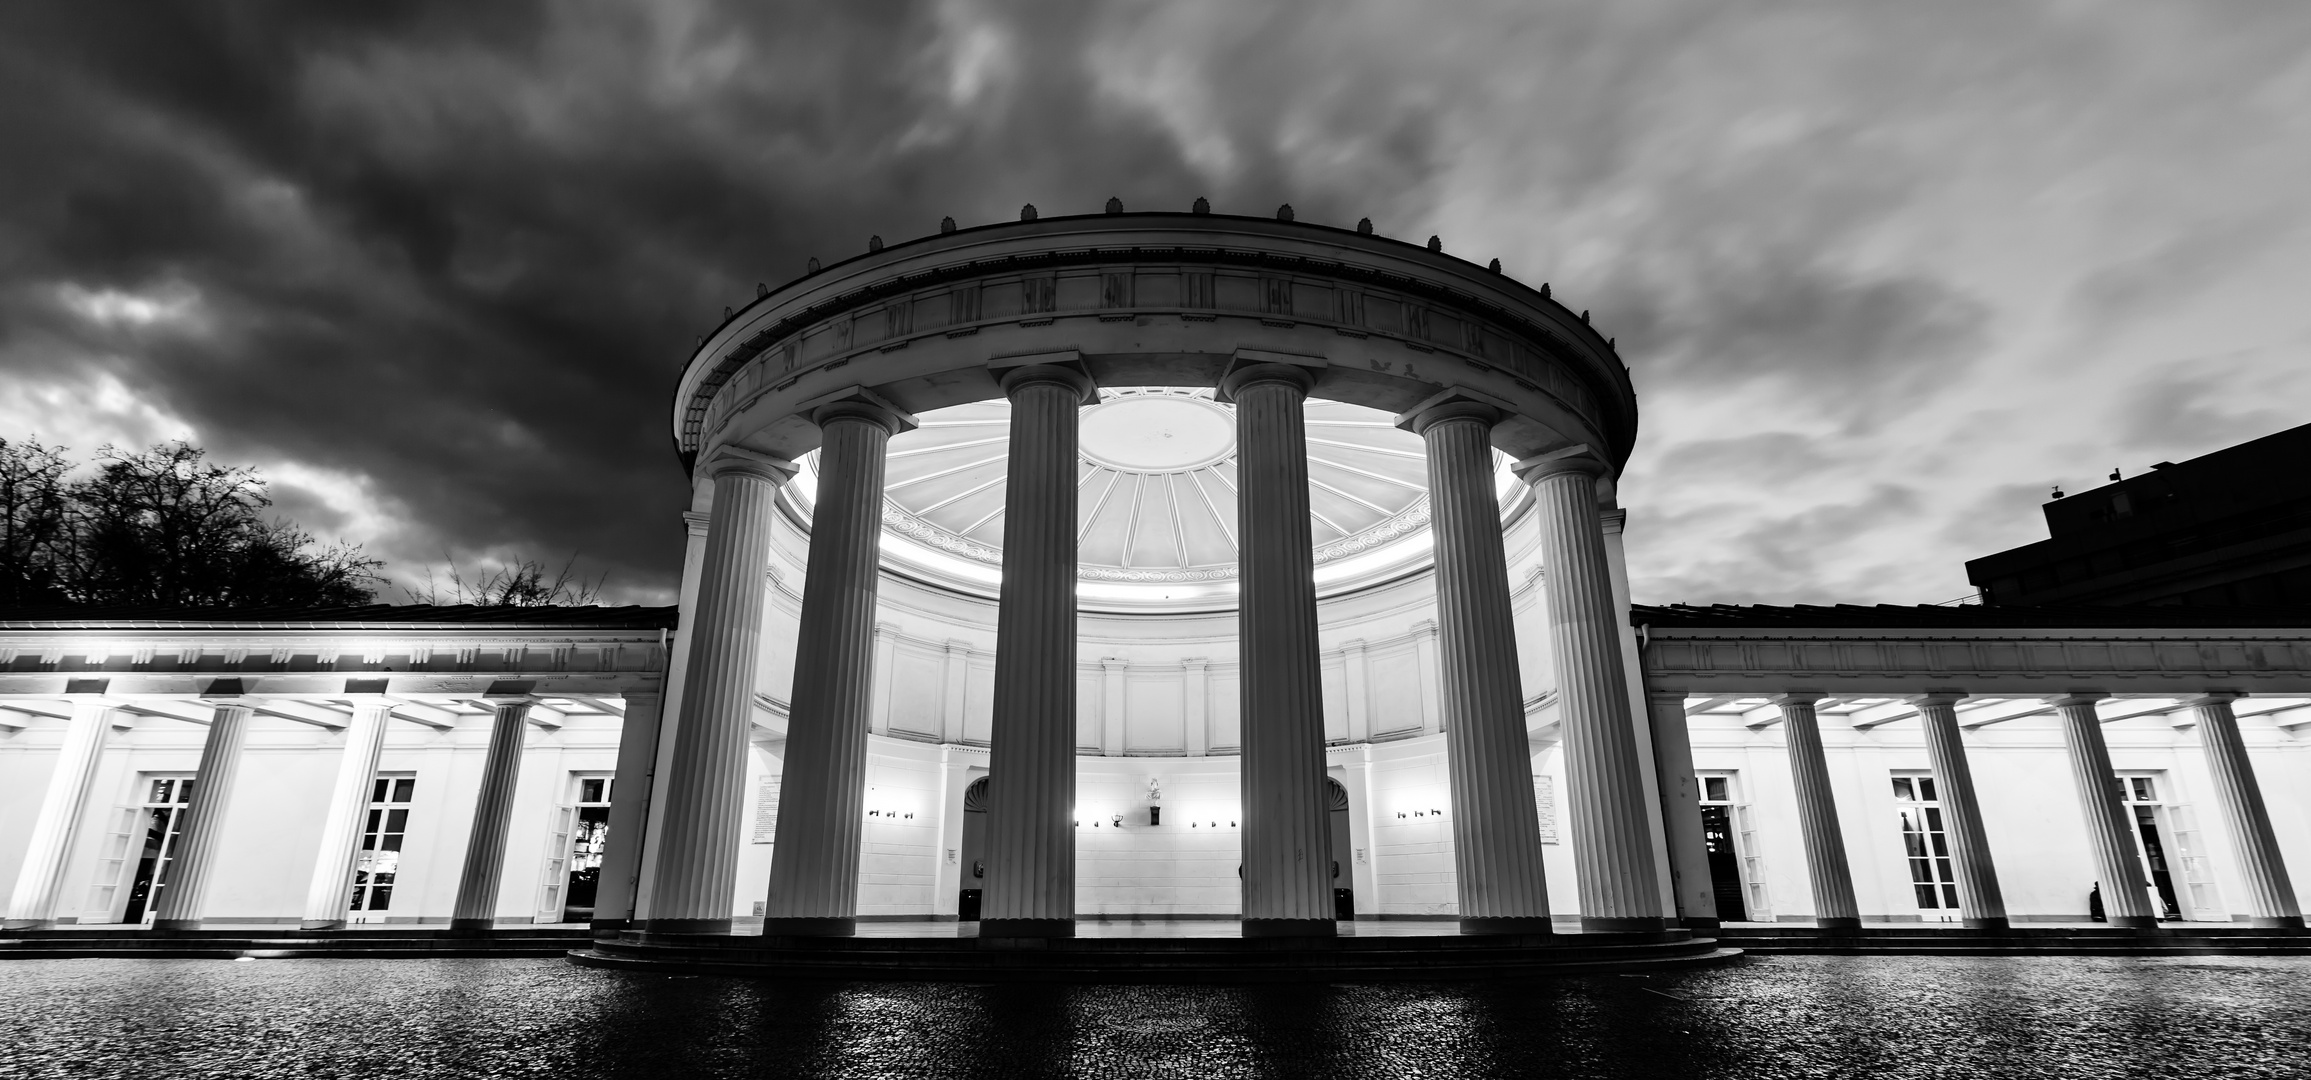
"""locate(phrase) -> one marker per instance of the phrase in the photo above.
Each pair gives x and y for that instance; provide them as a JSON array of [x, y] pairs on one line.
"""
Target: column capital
[[695, 523], [1580, 459], [1936, 697], [1251, 366], [2213, 697], [741, 461], [1054, 369], [857, 403], [1454, 403], [1796, 697], [2078, 697], [1666, 696]]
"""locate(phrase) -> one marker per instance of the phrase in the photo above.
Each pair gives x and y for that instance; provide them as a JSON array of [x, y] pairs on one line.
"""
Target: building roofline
[[358, 617]]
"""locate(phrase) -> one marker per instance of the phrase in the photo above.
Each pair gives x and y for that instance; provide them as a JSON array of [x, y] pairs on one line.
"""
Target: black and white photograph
[[599, 539]]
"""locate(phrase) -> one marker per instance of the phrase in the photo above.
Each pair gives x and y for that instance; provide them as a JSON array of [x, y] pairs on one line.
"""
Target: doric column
[[33, 905], [332, 890], [493, 812], [630, 793], [1817, 816], [1695, 893], [1496, 831], [1604, 778], [193, 861], [814, 873], [2270, 895], [705, 779], [1030, 841], [1981, 904], [1287, 817], [2125, 892]]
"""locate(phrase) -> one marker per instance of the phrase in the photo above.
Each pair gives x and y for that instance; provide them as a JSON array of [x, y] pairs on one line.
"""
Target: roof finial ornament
[[874, 243], [946, 225], [1202, 206], [1364, 227], [1544, 290], [1114, 205], [811, 267], [1284, 212], [1027, 212], [1494, 266], [727, 313], [1435, 243], [1584, 315], [761, 290]]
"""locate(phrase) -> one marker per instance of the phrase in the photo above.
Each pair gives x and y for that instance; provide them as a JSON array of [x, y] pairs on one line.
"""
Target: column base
[[176, 926], [1839, 926], [834, 926], [609, 928], [2276, 922], [1290, 928], [472, 927], [1524, 926], [1702, 926], [321, 924], [1993, 924], [1648, 924], [28, 924], [686, 926], [2135, 922], [1026, 928]]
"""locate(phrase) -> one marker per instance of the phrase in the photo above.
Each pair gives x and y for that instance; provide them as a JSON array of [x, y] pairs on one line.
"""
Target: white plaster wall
[[2037, 832]]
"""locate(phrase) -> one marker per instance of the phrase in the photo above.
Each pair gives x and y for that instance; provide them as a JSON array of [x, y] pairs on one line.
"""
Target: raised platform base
[[2172, 939], [1423, 958], [381, 943]]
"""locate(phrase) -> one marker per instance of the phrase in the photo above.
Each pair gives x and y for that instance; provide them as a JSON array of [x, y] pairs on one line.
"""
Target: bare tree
[[35, 523], [517, 584]]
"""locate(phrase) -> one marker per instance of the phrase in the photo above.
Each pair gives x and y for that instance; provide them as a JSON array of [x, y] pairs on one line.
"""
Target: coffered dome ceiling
[[1156, 496]]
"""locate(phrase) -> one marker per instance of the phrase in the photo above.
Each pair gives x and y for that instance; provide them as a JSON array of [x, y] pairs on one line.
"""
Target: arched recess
[[974, 850], [1343, 863]]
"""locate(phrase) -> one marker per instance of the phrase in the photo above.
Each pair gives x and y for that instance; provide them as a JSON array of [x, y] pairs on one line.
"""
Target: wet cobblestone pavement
[[1877, 1017]]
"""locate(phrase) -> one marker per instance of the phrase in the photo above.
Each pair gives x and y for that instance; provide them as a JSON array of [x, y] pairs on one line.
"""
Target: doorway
[[163, 817], [1343, 873], [1718, 843], [974, 869], [589, 840], [2154, 841], [1926, 846]]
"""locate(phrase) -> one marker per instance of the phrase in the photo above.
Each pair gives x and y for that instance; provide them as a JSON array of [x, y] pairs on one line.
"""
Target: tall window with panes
[[1926, 844], [379, 864]]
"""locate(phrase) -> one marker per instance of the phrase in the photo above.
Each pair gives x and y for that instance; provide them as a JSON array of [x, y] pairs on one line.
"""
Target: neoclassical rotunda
[[1153, 565]]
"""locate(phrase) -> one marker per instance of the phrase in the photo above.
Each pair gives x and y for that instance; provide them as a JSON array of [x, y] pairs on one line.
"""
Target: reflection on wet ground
[[1878, 1017]]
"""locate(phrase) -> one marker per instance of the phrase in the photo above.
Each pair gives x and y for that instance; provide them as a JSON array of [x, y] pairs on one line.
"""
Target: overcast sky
[[1885, 272]]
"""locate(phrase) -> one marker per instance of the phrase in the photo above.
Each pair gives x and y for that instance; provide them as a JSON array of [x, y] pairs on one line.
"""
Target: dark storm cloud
[[462, 250], [457, 252]]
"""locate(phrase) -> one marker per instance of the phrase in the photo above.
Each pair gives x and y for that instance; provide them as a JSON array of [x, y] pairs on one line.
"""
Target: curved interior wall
[[1157, 702]]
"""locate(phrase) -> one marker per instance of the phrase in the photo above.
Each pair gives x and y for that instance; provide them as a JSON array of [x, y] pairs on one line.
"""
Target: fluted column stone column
[[2125, 891], [694, 875], [1287, 889], [1496, 830], [814, 868], [1817, 815], [630, 794], [193, 861], [1604, 776], [493, 811], [1695, 892], [1981, 903], [1030, 842], [331, 892], [2270, 895], [33, 903]]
